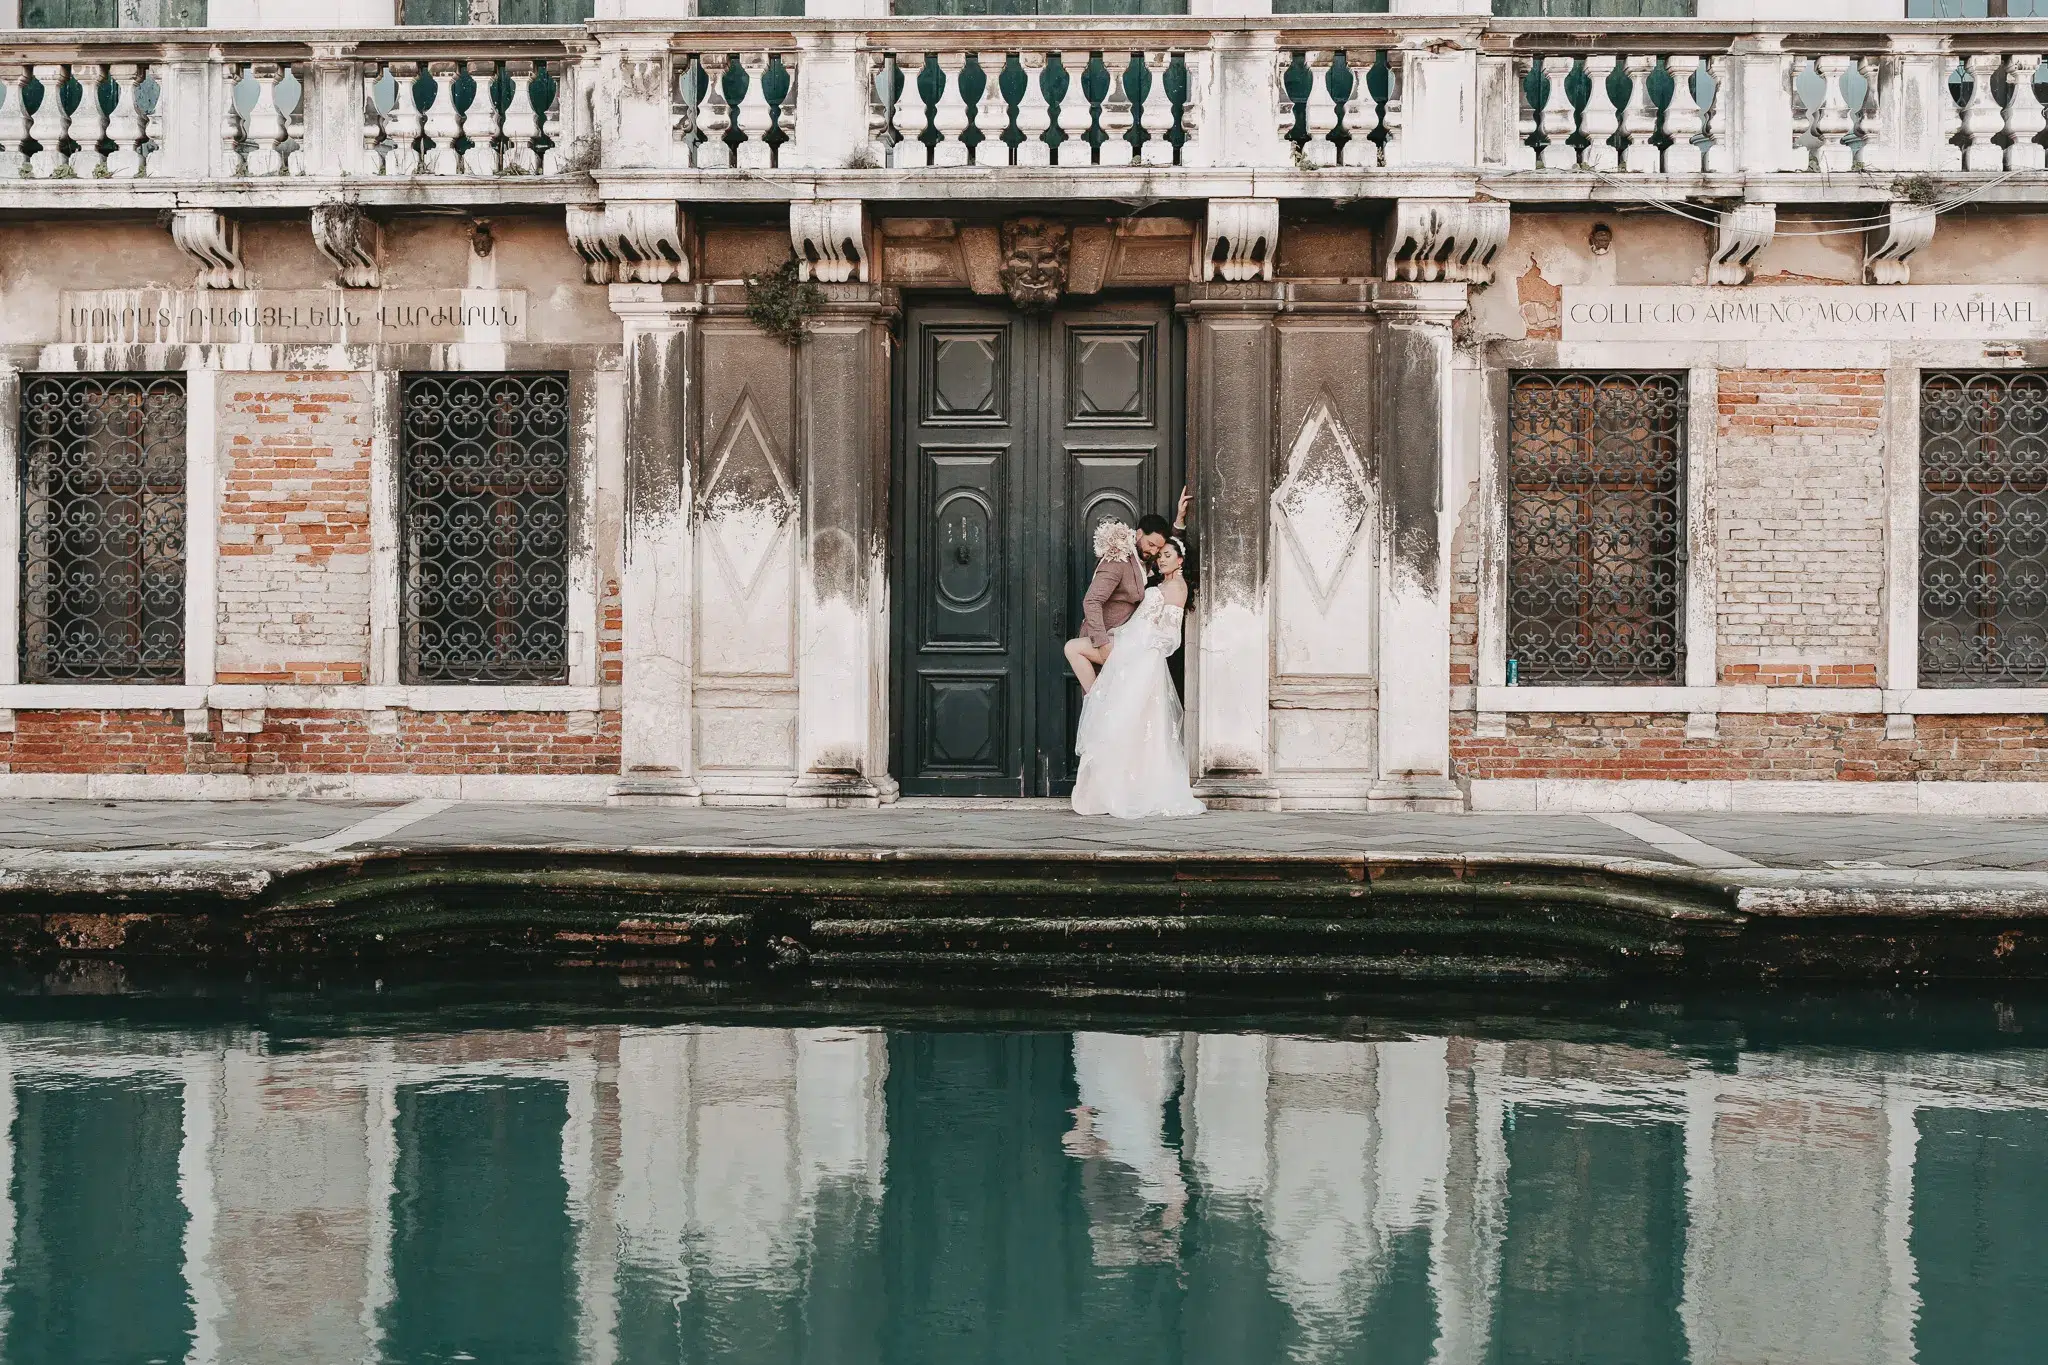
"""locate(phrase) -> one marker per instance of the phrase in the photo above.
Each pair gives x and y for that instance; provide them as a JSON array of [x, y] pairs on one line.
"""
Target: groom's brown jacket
[[1118, 588]]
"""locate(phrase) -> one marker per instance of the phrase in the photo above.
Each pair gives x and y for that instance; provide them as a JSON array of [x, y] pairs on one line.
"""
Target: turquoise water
[[320, 1179]]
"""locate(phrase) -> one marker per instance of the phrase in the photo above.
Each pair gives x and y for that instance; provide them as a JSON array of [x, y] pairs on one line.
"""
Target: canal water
[[519, 1174]]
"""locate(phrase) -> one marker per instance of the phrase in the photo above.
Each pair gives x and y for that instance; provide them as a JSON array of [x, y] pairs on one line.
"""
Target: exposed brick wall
[[1781, 748], [611, 626], [295, 528], [1465, 593], [430, 743], [1800, 499]]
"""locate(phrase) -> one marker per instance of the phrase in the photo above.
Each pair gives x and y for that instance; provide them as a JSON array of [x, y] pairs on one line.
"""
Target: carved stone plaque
[[1826, 313], [290, 316]]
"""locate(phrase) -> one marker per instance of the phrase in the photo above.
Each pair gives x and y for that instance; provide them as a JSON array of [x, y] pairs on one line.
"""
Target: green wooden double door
[[1016, 436]]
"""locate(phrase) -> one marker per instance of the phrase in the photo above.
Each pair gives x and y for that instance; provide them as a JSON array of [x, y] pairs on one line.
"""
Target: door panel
[[1018, 435]]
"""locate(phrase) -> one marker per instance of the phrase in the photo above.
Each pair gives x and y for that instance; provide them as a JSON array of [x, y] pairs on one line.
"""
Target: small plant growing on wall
[[782, 305]]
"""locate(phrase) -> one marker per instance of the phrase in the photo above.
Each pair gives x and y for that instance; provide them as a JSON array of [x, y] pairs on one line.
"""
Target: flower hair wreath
[[1115, 542]]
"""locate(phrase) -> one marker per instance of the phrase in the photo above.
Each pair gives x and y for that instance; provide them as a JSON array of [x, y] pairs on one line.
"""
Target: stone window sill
[[280, 697]]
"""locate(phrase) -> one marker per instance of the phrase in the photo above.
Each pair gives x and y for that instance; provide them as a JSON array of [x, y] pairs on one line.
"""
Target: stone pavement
[[1814, 843]]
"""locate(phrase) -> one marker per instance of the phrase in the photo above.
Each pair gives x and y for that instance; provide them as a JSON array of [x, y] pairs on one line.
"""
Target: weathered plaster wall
[[1801, 522], [294, 577], [1546, 251], [1775, 748]]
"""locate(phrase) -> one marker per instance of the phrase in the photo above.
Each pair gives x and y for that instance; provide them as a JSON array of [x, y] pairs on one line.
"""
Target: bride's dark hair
[[1187, 568]]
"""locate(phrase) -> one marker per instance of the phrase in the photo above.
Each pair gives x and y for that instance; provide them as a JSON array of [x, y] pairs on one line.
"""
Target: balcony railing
[[903, 107]]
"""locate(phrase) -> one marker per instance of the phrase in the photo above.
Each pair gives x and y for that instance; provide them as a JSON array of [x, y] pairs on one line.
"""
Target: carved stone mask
[[1034, 269]]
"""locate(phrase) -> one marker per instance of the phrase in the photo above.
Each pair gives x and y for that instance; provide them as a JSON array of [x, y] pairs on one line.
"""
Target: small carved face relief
[[1034, 269]]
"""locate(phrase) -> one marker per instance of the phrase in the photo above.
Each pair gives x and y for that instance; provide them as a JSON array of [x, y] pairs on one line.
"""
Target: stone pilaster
[[1232, 344], [842, 733], [1414, 423], [656, 762]]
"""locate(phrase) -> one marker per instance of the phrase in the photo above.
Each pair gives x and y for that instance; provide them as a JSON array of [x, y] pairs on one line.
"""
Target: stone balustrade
[[1537, 109]]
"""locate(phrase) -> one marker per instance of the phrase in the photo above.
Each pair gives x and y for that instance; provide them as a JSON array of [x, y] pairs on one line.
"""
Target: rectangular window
[[112, 14], [103, 528], [1595, 9], [1596, 528], [484, 526], [1984, 529]]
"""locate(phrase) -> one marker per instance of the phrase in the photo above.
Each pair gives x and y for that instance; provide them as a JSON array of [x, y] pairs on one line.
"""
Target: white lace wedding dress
[[1134, 763]]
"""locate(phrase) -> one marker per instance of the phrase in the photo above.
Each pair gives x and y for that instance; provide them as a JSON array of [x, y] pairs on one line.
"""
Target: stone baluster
[[230, 129], [1522, 157], [49, 125], [295, 127], [1798, 155], [13, 122], [554, 124], [404, 126], [1194, 151], [1831, 123], [1559, 119], [443, 123], [1982, 118], [522, 124], [1361, 115], [1602, 119], [1639, 119], [1034, 114], [124, 125], [1394, 117], [373, 122], [1877, 152], [1683, 121], [2024, 120], [480, 121], [1720, 157], [714, 116], [991, 112], [755, 118], [782, 115], [879, 69], [949, 115], [1116, 111], [1075, 114], [88, 122], [264, 125], [908, 118], [1156, 149], [1320, 149], [1951, 119]]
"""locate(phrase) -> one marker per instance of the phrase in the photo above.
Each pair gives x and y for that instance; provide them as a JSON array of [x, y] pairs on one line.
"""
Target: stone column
[[656, 762], [1231, 348], [842, 729], [1414, 420]]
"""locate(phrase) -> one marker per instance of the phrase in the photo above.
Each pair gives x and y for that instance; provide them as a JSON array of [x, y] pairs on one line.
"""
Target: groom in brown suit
[[1114, 594]]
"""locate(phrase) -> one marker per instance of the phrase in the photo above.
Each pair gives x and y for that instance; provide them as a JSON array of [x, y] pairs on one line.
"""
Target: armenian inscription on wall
[[319, 317], [1839, 313]]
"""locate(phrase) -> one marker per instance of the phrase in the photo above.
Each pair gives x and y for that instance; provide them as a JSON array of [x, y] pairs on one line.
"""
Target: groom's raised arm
[[1108, 573]]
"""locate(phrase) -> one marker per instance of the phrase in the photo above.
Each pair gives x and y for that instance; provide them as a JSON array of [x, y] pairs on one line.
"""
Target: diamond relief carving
[[1324, 500], [748, 499]]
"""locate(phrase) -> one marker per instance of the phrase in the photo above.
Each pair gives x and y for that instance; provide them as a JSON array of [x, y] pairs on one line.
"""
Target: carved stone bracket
[[213, 240], [1445, 241], [1890, 260], [1745, 231], [1242, 237], [630, 241], [829, 238], [351, 239]]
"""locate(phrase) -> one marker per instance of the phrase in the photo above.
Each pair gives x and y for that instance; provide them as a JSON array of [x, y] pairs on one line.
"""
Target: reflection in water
[[845, 1196]]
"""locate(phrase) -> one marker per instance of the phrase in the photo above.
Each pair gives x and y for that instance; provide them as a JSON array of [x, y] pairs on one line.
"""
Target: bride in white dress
[[1134, 762]]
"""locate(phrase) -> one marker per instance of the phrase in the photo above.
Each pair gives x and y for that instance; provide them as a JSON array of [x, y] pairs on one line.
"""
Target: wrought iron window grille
[[1984, 529], [1596, 528], [103, 528], [484, 516]]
